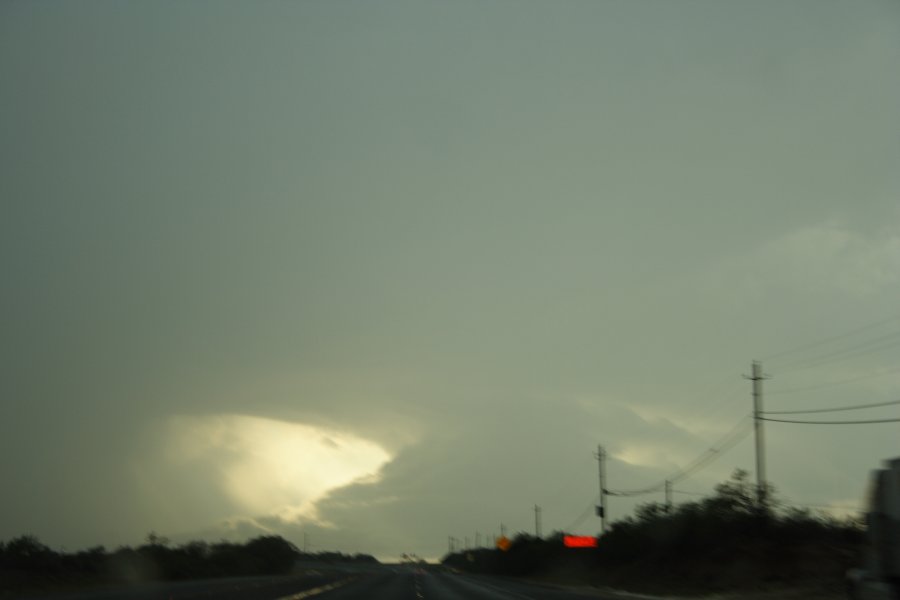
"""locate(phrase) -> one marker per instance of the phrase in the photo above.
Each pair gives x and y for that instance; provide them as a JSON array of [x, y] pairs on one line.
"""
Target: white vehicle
[[879, 577]]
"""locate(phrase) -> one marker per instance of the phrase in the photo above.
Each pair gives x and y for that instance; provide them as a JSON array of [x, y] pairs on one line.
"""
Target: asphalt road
[[375, 583], [432, 584]]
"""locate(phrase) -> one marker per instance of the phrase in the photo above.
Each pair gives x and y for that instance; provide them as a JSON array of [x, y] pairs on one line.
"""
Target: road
[[437, 584], [373, 583]]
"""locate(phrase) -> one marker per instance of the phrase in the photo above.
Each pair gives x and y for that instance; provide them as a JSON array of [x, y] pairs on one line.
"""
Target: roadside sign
[[580, 541], [503, 543]]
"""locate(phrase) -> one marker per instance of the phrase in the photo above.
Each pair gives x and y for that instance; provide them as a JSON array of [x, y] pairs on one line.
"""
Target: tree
[[157, 540], [737, 496]]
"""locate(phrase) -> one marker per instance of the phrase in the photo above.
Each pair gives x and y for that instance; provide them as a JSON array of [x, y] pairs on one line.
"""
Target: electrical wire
[[830, 506], [689, 493], [837, 409], [880, 343], [629, 493], [724, 444], [582, 517], [830, 339], [819, 386], [728, 441], [738, 433], [832, 422]]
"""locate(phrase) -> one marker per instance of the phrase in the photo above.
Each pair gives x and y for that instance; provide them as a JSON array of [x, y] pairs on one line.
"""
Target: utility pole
[[477, 539], [668, 496], [537, 521], [601, 510], [756, 376], [502, 530]]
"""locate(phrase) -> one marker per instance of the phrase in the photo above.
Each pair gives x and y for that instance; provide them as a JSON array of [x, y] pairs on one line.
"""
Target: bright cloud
[[270, 467]]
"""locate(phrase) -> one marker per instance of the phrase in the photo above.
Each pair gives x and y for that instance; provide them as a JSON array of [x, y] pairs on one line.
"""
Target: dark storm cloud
[[477, 247]]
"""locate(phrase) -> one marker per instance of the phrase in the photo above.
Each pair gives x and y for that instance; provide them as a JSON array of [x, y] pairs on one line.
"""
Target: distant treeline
[[722, 542], [26, 562]]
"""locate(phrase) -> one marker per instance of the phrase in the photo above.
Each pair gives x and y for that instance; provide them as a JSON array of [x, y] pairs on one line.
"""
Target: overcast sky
[[387, 272]]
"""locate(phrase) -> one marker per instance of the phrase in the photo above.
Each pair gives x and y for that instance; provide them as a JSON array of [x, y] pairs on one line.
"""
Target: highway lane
[[237, 588], [372, 583], [438, 584]]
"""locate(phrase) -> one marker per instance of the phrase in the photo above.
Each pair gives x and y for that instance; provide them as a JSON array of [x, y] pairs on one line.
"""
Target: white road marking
[[319, 590]]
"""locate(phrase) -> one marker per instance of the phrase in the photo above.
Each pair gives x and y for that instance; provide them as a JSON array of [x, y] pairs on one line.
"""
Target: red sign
[[580, 541]]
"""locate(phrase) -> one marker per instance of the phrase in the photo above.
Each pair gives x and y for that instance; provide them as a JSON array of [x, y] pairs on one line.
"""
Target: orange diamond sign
[[503, 543]]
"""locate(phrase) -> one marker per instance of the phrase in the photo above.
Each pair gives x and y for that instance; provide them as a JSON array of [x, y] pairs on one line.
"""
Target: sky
[[369, 275]]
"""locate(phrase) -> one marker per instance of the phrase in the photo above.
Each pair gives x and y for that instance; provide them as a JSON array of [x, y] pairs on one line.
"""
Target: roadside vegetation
[[26, 563], [724, 542]]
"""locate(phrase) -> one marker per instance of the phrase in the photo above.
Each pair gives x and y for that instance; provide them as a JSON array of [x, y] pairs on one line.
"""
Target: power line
[[833, 422], [642, 492], [874, 345], [582, 517], [819, 386], [837, 409], [690, 493], [728, 441], [830, 339], [831, 506]]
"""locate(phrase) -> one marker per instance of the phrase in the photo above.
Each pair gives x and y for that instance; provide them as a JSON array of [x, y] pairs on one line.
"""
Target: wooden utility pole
[[756, 376], [601, 465]]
